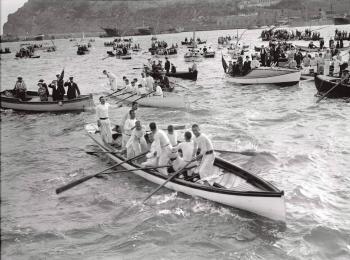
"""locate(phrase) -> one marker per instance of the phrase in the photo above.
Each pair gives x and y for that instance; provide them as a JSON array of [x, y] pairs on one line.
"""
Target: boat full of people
[[218, 180], [334, 87]]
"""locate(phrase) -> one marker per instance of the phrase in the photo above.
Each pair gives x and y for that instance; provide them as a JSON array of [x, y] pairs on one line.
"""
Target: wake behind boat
[[234, 186]]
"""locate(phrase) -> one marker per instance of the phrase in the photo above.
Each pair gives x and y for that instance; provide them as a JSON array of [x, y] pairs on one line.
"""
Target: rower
[[128, 126], [133, 87], [153, 155], [149, 83], [137, 143], [164, 146], [103, 121], [73, 90], [20, 89], [112, 79], [186, 150], [128, 87], [204, 147], [172, 135], [141, 90], [143, 80], [134, 106], [158, 91]]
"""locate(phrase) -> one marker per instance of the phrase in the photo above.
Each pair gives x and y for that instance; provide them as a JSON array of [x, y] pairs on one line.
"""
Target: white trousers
[[106, 132]]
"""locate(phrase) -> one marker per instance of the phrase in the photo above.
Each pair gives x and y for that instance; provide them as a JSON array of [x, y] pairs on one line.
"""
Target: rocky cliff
[[69, 16]]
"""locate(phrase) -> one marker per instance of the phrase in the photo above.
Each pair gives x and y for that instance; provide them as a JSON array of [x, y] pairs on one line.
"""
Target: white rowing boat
[[234, 187], [267, 75], [170, 100]]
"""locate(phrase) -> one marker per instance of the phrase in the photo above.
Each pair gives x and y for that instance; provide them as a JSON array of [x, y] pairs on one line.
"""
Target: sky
[[7, 7]]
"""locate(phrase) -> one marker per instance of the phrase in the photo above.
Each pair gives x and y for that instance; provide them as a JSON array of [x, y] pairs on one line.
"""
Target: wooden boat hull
[[209, 54], [169, 100], [82, 103], [269, 203], [306, 49], [325, 83], [184, 75], [283, 77]]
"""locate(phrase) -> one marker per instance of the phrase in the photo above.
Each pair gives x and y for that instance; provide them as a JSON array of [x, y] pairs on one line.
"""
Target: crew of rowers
[[25, 52], [164, 149], [226, 39], [191, 40], [56, 85]]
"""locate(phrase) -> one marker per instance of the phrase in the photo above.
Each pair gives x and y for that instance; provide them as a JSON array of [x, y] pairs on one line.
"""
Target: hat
[[41, 80], [57, 75], [19, 77], [70, 77]]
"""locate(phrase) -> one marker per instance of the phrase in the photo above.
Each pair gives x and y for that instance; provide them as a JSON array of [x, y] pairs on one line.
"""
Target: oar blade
[[73, 184]]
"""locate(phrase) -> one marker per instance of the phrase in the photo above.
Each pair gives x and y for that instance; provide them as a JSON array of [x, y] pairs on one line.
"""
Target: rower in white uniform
[[103, 121], [134, 106], [112, 80], [137, 143], [149, 83], [157, 91], [164, 146], [204, 147], [153, 155], [172, 135], [129, 126]]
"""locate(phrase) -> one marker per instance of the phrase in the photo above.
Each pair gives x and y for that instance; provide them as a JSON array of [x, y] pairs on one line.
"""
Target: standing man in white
[[103, 121], [112, 80]]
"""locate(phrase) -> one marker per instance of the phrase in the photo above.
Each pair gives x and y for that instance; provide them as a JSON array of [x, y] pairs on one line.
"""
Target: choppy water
[[303, 148]]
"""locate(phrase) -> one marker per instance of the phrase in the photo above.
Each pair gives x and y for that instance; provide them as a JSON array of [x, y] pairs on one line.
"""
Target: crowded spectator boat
[[32, 103], [5, 51], [233, 186]]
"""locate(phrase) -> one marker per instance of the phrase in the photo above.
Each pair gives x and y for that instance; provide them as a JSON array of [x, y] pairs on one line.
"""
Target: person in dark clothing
[[341, 43], [73, 90], [164, 82], [167, 65], [173, 68], [246, 66], [240, 66], [45, 86], [55, 94], [60, 86], [235, 70], [321, 43], [263, 56], [298, 58]]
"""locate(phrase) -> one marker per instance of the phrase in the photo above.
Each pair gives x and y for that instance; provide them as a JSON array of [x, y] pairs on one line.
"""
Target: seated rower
[[133, 87], [158, 91], [141, 90], [137, 143], [172, 135], [153, 155], [128, 87]]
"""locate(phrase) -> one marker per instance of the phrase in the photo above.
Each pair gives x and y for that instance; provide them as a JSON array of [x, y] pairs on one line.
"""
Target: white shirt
[[128, 88], [255, 64], [159, 91], [143, 82], [141, 91], [149, 83], [112, 80], [187, 150], [203, 143], [161, 138], [102, 110], [173, 138], [129, 123]]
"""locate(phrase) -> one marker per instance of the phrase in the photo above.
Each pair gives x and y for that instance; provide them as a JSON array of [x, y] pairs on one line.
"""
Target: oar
[[325, 95], [244, 152], [169, 179], [97, 152], [106, 57], [138, 169], [126, 98], [137, 68], [86, 178], [129, 92], [114, 92], [144, 96]]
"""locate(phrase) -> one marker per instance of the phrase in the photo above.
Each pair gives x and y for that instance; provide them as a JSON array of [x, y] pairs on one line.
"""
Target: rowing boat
[[267, 75], [325, 83], [233, 187], [33, 103], [317, 49], [169, 100]]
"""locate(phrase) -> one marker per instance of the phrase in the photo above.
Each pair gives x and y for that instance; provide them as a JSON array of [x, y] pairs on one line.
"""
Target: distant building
[[257, 3]]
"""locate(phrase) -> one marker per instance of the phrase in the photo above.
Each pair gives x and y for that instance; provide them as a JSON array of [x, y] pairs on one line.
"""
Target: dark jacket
[[246, 67], [72, 90], [60, 87], [167, 65]]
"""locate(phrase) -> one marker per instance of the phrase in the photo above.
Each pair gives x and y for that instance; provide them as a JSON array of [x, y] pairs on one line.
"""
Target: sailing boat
[[193, 54]]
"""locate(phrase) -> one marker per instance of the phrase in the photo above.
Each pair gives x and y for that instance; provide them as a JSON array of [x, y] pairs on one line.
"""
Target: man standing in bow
[[167, 65], [112, 79], [73, 90], [60, 86]]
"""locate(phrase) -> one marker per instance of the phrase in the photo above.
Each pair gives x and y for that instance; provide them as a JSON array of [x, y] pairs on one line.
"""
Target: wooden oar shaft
[[143, 96], [169, 179], [126, 98], [114, 92], [244, 152], [123, 93], [77, 182], [138, 169]]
